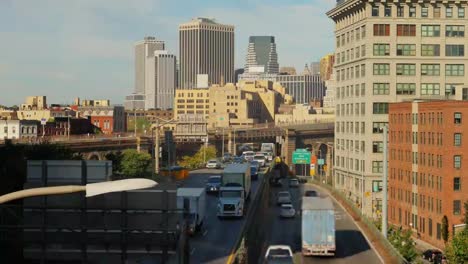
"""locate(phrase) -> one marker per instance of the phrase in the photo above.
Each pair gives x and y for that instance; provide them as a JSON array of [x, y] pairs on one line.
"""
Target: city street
[[217, 238], [351, 245]]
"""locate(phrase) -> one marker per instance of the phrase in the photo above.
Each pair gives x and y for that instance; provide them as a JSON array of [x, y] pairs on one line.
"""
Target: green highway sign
[[301, 156]]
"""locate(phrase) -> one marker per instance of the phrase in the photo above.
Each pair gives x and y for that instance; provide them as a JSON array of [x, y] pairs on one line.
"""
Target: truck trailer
[[235, 190], [318, 227], [193, 203]]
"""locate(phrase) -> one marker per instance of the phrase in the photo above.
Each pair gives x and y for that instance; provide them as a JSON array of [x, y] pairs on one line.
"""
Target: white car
[[213, 164], [287, 211], [248, 155], [261, 159], [279, 254], [284, 198]]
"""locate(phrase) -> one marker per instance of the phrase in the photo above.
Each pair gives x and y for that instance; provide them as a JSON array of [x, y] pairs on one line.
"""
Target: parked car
[[293, 182], [213, 164], [283, 198], [311, 193], [287, 211], [213, 183], [440, 259], [279, 254], [430, 254], [260, 158]]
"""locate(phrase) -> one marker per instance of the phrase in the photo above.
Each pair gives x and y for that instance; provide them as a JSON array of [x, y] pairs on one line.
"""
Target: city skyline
[[85, 49]]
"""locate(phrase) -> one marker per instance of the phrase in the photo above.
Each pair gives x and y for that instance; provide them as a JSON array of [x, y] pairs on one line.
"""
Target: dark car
[[440, 259], [311, 193], [254, 172], [213, 184], [430, 254], [227, 157]]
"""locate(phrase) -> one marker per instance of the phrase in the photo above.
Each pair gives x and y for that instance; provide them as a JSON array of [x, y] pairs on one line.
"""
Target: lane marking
[[193, 251]]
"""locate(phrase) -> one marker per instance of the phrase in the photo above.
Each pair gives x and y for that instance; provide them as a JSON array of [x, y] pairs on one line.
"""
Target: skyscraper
[[205, 47], [143, 50], [261, 53], [160, 80]]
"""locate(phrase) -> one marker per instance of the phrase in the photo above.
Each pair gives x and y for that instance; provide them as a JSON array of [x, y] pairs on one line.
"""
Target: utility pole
[[68, 130], [235, 148], [222, 148], [156, 147], [385, 180], [135, 125]]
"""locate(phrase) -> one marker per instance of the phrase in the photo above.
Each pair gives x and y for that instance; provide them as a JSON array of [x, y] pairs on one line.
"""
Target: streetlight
[[91, 189], [385, 183]]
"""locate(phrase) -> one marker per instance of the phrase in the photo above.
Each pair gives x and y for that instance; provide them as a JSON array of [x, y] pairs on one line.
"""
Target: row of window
[[350, 127], [410, 89], [348, 37], [352, 72], [350, 90], [350, 163], [424, 11], [382, 49], [191, 101], [424, 118], [409, 30], [422, 180], [408, 69], [350, 54], [422, 138]]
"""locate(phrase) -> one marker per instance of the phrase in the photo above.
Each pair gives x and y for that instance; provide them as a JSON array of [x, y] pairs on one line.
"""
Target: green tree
[[466, 215], [116, 158], [457, 249], [402, 241], [135, 164], [142, 124], [198, 160], [445, 231]]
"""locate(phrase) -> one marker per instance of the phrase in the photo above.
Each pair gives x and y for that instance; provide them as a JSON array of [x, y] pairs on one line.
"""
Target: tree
[[135, 164], [457, 249], [198, 160], [116, 158], [402, 241], [466, 215], [445, 231]]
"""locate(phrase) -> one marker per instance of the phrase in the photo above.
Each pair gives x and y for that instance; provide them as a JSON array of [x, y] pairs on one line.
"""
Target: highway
[[351, 245], [218, 237]]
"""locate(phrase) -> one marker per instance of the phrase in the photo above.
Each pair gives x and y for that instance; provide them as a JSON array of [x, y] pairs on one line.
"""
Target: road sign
[[301, 150], [325, 167], [321, 161], [314, 160], [43, 121], [301, 157]]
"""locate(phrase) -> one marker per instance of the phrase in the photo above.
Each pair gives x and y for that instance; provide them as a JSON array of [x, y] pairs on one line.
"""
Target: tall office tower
[[261, 55], [205, 48], [143, 50], [160, 80], [315, 67], [388, 52]]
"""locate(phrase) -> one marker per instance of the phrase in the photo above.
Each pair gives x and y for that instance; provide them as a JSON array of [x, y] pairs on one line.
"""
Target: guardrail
[[374, 231]]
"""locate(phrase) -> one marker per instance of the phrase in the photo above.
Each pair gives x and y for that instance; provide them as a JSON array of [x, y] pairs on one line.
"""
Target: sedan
[[284, 198], [213, 184], [287, 211], [310, 193], [213, 164], [279, 254], [293, 182]]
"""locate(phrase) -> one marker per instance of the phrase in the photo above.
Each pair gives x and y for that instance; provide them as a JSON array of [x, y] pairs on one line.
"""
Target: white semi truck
[[193, 203], [234, 191]]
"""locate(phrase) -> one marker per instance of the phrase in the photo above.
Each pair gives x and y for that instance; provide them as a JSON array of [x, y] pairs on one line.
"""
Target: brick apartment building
[[427, 166]]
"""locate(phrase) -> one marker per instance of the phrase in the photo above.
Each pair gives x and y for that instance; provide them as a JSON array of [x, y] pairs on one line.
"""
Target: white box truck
[[193, 203], [235, 190], [318, 227]]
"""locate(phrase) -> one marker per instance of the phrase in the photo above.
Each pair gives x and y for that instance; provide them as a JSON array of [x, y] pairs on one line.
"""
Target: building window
[[363, 32], [455, 69], [430, 30], [405, 88], [448, 12], [377, 147], [412, 11], [381, 69], [457, 118], [377, 186], [406, 30], [363, 50], [375, 11], [388, 11], [381, 49], [381, 29], [377, 127], [380, 108], [406, 50], [450, 89], [456, 184], [455, 50], [363, 70], [436, 12], [430, 50], [381, 88], [456, 207], [439, 231], [430, 69], [457, 139], [377, 166], [461, 12], [406, 69], [454, 31], [430, 89], [457, 161], [424, 11], [400, 11]]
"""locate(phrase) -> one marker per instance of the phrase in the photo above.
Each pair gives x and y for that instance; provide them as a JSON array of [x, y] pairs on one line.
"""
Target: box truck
[[235, 190], [193, 203]]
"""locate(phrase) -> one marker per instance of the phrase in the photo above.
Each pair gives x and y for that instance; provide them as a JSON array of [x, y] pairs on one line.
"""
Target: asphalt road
[[351, 245], [217, 237]]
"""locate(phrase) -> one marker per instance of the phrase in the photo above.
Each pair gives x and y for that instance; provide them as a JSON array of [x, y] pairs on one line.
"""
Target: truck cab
[[234, 191]]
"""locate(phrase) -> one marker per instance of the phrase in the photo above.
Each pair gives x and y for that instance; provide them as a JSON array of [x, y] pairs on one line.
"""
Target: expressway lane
[[217, 237], [351, 245]]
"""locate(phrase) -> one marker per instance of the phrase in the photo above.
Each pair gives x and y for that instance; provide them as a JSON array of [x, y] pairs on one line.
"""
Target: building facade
[[160, 81], [303, 88], [192, 110], [387, 52], [427, 152], [143, 50], [205, 47], [109, 119], [34, 103], [134, 102], [10, 129], [261, 55], [326, 66]]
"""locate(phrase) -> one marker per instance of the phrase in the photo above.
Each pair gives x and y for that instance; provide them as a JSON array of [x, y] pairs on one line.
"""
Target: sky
[[84, 48]]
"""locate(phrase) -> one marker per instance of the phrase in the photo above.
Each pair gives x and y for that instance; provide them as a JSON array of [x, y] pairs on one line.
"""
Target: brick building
[[427, 161], [109, 119]]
